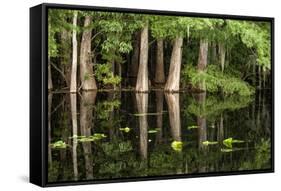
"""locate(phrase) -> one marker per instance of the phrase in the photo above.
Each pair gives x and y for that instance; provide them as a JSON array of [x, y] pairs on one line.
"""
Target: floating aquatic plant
[[94, 137], [206, 143], [192, 127], [229, 141], [59, 145], [126, 129], [152, 131], [177, 145]]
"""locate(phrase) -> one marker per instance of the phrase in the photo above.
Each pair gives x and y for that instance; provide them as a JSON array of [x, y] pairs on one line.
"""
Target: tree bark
[[86, 69], [222, 55], [159, 119], [173, 82], [73, 82], [159, 71], [201, 121], [50, 82], [142, 78], [202, 60], [142, 105], [174, 115], [135, 57], [73, 103], [203, 55], [65, 59], [214, 53], [86, 123]]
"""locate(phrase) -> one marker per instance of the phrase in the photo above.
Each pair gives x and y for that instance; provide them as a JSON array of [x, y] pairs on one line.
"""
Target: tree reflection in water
[[138, 124]]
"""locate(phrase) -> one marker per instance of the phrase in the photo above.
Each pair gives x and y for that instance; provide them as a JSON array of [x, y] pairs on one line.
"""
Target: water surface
[[108, 135]]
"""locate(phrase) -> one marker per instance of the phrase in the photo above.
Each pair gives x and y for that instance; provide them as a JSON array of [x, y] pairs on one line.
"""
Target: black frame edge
[[36, 142]]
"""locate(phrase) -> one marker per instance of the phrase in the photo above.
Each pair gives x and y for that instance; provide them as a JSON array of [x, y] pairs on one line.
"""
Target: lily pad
[[192, 127], [229, 141], [206, 143], [226, 150], [59, 145], [126, 129], [152, 131], [177, 146]]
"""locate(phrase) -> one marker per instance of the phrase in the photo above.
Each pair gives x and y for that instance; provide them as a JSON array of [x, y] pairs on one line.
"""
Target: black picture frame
[[39, 92]]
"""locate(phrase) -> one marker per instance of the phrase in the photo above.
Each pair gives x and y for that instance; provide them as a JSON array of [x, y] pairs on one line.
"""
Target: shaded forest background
[[91, 50]]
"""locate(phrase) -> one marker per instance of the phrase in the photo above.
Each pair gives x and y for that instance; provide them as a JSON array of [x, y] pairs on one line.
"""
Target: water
[[110, 135]]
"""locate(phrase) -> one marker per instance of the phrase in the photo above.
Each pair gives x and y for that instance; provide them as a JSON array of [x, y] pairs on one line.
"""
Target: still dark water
[[109, 135]]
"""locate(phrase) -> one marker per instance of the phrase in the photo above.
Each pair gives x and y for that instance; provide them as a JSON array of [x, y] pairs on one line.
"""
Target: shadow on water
[[126, 134]]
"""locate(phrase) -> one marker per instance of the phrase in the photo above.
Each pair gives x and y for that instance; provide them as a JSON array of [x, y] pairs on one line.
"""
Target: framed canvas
[[122, 95]]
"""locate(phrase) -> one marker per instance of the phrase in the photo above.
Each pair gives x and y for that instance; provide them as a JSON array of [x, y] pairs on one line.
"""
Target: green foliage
[[104, 108], [104, 75], [213, 106], [256, 36], [262, 157], [216, 81]]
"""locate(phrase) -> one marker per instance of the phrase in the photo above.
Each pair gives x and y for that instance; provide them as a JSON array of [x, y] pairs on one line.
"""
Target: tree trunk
[[159, 73], [174, 115], [142, 104], [201, 120], [86, 69], [260, 77], [50, 82], [73, 82], [222, 55], [142, 79], [135, 57], [73, 103], [202, 60], [159, 119], [203, 55], [214, 53], [86, 124], [65, 59], [173, 82]]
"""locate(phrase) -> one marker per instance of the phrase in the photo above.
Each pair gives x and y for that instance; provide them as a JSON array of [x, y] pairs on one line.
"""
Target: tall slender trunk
[[159, 70], [142, 79], [73, 81], [159, 119], [214, 53], [260, 77], [135, 57], [202, 60], [142, 105], [86, 69], [222, 55], [201, 120], [254, 73], [173, 82], [50, 82], [73, 103], [65, 59], [174, 115], [220, 132], [86, 124]]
